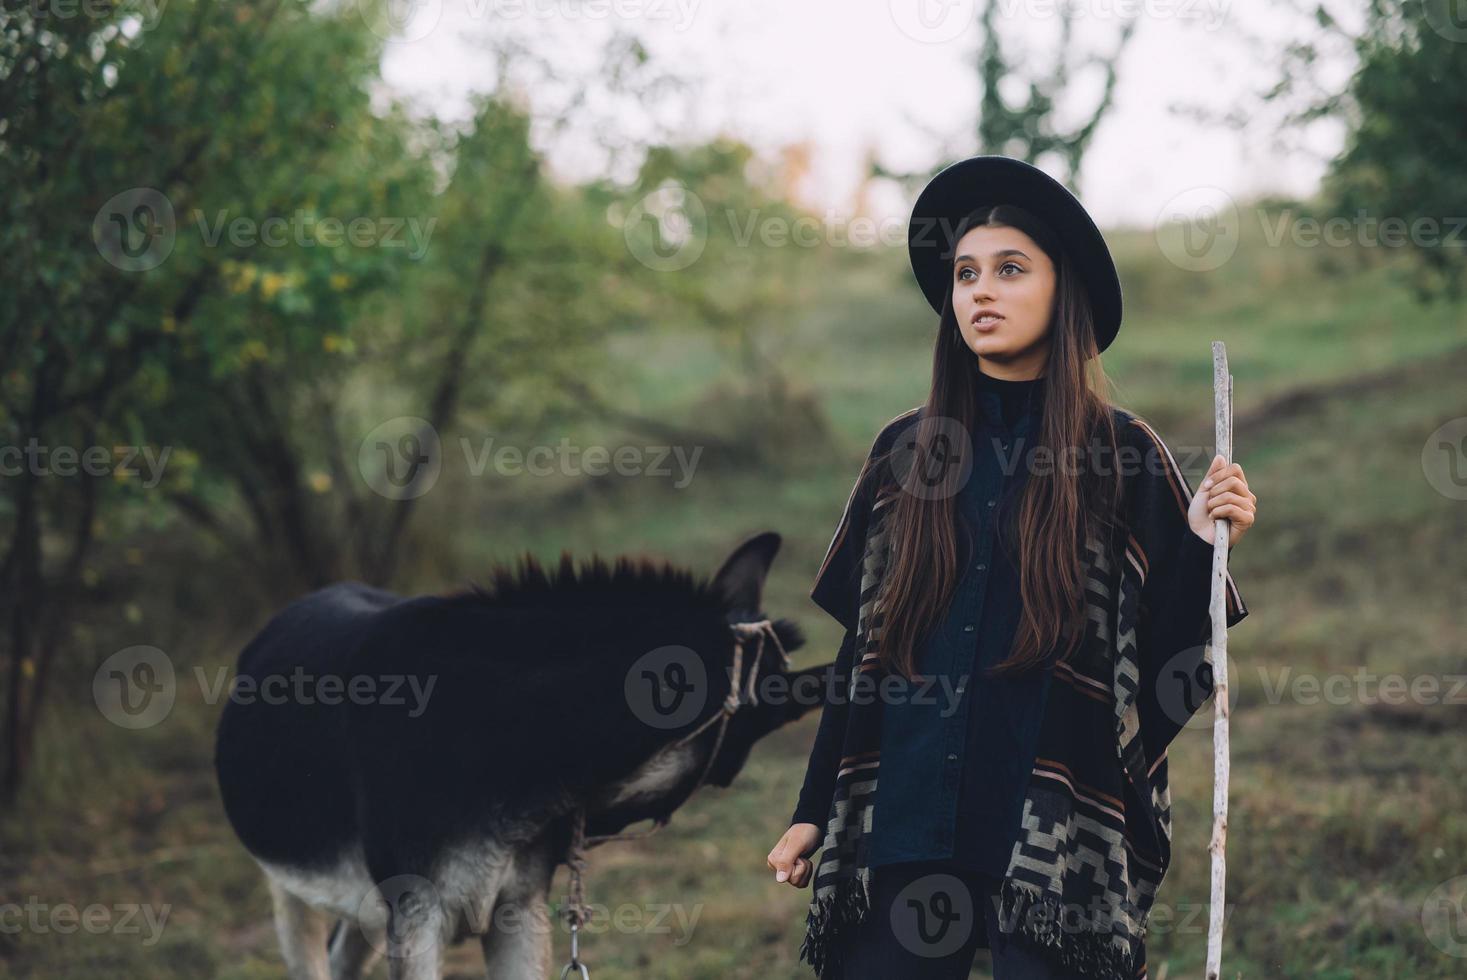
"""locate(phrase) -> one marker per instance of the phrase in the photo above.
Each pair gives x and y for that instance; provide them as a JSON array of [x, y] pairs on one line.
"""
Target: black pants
[[928, 920]]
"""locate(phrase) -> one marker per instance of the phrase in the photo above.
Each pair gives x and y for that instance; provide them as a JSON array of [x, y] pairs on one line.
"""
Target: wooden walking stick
[[1222, 401]]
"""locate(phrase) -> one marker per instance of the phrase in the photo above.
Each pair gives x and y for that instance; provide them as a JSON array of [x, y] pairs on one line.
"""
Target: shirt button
[[982, 567], [952, 757], [967, 627], [990, 503]]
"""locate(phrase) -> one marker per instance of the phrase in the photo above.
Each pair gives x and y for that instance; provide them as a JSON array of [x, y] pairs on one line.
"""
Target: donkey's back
[[282, 749]]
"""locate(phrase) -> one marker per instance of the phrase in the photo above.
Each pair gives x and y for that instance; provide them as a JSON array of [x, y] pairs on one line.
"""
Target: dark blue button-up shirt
[[954, 764], [954, 769]]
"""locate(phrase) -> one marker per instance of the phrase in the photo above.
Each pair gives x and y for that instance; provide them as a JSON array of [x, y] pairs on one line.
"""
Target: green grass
[[1343, 819]]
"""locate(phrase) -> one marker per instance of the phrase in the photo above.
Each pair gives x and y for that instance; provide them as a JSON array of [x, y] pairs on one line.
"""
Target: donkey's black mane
[[628, 580]]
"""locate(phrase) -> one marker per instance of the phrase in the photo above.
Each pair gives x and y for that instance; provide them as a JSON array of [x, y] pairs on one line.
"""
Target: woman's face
[[1000, 270]]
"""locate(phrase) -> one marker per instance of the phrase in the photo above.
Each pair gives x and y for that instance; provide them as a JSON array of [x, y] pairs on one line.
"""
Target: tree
[[1029, 129], [1403, 156], [122, 126]]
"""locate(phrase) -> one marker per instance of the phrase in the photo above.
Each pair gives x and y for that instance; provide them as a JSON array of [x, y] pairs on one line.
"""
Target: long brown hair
[[1062, 504]]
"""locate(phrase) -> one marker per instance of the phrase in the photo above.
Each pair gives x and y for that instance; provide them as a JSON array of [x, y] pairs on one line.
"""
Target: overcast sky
[[894, 74]]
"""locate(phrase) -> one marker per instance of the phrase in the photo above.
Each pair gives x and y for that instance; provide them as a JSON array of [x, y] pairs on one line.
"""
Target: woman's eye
[[963, 273], [1011, 265]]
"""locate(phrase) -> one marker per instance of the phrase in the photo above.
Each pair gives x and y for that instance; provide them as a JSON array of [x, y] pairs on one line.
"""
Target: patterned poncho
[[1095, 839]]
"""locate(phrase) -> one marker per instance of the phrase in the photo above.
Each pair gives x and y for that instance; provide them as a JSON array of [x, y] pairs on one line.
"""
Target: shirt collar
[[1007, 401]]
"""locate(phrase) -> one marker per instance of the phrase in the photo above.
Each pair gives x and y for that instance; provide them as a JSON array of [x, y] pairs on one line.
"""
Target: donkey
[[408, 766]]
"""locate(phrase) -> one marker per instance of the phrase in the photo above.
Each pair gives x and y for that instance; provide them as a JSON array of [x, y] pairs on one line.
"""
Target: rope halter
[[738, 696]]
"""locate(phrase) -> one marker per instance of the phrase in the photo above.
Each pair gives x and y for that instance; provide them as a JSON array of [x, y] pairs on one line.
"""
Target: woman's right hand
[[790, 859]]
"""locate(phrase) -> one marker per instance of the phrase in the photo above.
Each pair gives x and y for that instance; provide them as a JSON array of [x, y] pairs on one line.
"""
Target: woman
[[1026, 574]]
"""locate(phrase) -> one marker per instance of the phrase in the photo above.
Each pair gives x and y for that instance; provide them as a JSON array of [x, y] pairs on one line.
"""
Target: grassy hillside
[[1345, 817]]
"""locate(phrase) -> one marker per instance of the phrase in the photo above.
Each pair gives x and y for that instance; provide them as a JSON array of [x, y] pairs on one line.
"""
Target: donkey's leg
[[415, 940], [353, 953], [518, 943], [302, 932]]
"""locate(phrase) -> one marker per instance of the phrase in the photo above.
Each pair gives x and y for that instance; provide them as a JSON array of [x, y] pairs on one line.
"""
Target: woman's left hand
[[1223, 494]]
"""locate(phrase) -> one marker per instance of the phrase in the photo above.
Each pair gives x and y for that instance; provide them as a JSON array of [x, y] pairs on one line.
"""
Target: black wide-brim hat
[[983, 180]]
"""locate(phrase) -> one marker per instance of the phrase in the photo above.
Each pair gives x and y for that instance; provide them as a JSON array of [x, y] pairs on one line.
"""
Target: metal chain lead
[[575, 902]]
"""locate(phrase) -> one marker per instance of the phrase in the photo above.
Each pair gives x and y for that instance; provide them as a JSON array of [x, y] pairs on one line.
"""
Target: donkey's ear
[[741, 577]]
